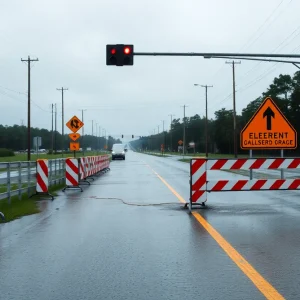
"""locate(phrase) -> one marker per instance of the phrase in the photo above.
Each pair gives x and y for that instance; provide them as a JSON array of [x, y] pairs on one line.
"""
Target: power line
[[261, 26], [265, 22], [21, 93]]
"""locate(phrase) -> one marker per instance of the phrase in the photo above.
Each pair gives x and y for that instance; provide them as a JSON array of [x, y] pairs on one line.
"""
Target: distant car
[[118, 151]]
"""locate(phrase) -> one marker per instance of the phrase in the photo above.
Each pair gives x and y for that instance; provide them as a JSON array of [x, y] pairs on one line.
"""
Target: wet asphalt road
[[128, 237]]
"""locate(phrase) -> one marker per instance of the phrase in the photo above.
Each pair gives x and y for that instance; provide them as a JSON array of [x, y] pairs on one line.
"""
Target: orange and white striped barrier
[[200, 185], [72, 173], [42, 178], [92, 165]]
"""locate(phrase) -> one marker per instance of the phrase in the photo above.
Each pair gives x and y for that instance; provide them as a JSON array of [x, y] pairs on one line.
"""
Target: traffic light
[[122, 136], [132, 136], [119, 55]]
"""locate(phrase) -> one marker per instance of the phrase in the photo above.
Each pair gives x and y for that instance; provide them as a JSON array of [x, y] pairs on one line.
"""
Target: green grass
[[217, 156], [156, 154], [24, 207], [14, 186], [18, 208], [34, 157], [186, 160]]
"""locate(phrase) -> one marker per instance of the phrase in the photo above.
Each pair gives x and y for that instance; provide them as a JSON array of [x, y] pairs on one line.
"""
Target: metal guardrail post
[[50, 171], [28, 178], [20, 180], [59, 171], [8, 183], [55, 172]]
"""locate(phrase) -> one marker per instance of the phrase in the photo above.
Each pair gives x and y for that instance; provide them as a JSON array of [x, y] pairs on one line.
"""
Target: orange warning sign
[[74, 136], [74, 124], [74, 146], [268, 129]]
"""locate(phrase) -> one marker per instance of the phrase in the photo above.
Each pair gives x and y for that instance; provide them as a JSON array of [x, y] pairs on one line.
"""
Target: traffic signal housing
[[132, 136], [122, 136], [119, 55]]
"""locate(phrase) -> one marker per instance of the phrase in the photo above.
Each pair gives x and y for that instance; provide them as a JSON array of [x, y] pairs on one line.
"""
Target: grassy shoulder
[[34, 157], [24, 207], [215, 156], [156, 154]]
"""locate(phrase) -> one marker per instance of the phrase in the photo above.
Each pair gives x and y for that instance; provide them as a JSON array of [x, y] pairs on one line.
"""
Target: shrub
[[6, 152]]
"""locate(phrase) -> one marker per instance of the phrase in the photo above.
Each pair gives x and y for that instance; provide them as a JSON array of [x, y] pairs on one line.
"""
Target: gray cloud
[[69, 38]]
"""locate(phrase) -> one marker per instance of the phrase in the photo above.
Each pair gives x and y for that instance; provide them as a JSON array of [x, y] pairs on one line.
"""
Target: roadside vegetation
[[24, 206], [284, 90]]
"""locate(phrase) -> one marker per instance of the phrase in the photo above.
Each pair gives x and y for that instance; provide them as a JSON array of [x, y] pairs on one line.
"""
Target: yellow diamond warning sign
[[74, 124], [268, 129], [74, 136]]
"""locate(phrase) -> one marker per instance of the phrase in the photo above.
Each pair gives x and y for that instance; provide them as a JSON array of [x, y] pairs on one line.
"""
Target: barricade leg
[[42, 178]]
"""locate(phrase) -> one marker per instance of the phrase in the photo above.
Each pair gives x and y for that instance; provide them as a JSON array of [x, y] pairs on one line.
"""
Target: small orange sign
[[74, 136], [74, 146], [74, 124], [180, 142], [268, 129]]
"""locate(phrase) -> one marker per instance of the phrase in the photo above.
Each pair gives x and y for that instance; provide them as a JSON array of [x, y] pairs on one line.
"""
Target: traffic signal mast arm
[[122, 55]]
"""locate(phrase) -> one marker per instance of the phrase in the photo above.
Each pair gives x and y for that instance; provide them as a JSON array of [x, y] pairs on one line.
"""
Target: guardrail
[[17, 178]]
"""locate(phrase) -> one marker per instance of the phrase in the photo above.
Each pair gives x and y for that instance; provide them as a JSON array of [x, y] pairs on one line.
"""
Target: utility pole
[[184, 106], [29, 60], [100, 138], [206, 118], [96, 137], [157, 129], [234, 110], [62, 118], [171, 131], [164, 142], [55, 131], [82, 110], [52, 138]]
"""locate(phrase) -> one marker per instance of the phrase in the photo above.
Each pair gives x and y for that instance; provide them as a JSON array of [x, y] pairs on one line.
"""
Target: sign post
[[251, 171], [37, 143]]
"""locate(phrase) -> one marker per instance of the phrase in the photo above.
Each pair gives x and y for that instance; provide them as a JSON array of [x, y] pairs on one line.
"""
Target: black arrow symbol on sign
[[74, 125], [269, 113]]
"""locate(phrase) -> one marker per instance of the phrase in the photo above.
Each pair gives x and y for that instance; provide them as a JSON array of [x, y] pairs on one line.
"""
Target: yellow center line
[[262, 284]]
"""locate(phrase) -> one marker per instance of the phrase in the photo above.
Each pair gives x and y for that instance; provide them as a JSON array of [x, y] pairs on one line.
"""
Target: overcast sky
[[69, 39]]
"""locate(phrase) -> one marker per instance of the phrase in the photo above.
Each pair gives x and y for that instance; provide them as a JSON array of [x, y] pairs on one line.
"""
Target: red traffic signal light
[[119, 55], [127, 50]]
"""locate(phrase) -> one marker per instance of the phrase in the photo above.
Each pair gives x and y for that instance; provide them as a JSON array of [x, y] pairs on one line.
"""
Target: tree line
[[284, 90], [15, 138]]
